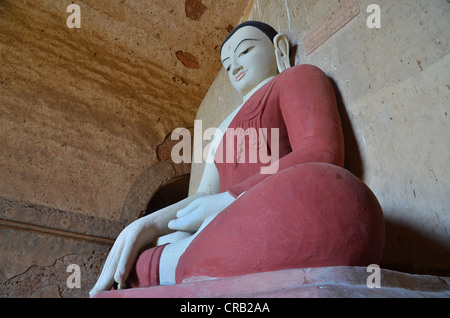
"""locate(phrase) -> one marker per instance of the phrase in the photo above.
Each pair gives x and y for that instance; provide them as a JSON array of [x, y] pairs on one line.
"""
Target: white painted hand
[[192, 217], [123, 254], [132, 239]]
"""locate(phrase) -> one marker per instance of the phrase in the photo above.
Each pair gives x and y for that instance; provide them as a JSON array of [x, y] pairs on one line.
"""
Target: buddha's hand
[[191, 218], [123, 254]]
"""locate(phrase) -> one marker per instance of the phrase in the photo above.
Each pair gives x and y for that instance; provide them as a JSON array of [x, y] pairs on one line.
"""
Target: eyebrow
[[240, 44]]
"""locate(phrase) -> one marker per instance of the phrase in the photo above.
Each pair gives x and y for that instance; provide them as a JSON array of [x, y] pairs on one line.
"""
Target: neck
[[249, 94]]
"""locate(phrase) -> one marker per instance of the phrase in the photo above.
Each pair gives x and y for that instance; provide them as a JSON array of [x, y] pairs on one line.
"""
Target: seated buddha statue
[[300, 210]]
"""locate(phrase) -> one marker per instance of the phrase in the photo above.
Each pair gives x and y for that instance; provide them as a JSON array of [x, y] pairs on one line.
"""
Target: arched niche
[[151, 190], [172, 192]]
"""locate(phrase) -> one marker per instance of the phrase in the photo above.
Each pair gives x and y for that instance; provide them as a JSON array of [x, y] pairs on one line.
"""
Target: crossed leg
[[310, 215]]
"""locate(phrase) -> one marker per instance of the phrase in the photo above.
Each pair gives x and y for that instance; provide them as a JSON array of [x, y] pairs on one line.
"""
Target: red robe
[[309, 213], [301, 104]]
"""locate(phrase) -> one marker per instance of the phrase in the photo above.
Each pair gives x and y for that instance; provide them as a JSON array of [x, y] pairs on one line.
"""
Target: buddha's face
[[249, 58]]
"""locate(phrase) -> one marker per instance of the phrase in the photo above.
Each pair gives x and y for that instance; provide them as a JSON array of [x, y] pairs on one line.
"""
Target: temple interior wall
[[393, 89], [84, 119]]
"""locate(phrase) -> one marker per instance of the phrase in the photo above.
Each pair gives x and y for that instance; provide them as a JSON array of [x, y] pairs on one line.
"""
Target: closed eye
[[246, 51]]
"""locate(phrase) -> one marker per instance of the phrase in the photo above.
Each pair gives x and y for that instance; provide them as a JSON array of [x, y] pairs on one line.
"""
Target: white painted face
[[249, 58]]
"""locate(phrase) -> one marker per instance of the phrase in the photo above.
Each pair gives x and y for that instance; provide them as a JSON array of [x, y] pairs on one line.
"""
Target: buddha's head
[[253, 52]]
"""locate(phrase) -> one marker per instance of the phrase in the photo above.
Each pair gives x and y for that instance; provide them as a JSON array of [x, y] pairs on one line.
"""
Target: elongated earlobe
[[282, 49]]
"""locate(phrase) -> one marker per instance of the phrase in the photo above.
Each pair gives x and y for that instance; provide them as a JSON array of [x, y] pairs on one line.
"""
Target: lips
[[240, 76]]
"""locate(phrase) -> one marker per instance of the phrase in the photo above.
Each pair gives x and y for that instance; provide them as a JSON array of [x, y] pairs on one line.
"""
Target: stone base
[[327, 282]]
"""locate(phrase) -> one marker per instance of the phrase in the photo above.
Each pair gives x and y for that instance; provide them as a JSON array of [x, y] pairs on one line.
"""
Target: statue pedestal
[[324, 282]]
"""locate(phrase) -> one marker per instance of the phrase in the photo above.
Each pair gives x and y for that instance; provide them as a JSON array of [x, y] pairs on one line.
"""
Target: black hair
[[267, 29]]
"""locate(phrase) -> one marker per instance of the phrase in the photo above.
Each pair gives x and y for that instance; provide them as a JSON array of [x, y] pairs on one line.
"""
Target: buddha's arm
[[143, 232], [209, 182], [191, 218], [315, 150], [309, 109]]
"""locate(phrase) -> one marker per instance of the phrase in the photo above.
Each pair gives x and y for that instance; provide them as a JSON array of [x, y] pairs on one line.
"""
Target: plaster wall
[[84, 119], [393, 87], [84, 110]]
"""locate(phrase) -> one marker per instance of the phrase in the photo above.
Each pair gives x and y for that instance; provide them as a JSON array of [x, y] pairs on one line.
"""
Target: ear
[[282, 47]]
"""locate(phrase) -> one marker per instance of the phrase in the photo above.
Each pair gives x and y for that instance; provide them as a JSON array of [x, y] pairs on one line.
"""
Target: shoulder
[[304, 78], [302, 71]]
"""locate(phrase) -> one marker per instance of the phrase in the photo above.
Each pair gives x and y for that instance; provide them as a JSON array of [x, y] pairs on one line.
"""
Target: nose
[[235, 68]]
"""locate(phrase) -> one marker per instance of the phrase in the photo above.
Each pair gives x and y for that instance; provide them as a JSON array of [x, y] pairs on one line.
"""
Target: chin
[[244, 88], [240, 89]]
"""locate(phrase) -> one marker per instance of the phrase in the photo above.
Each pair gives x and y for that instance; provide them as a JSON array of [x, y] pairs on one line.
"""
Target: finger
[[128, 255], [187, 210], [106, 278], [183, 212], [189, 223]]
